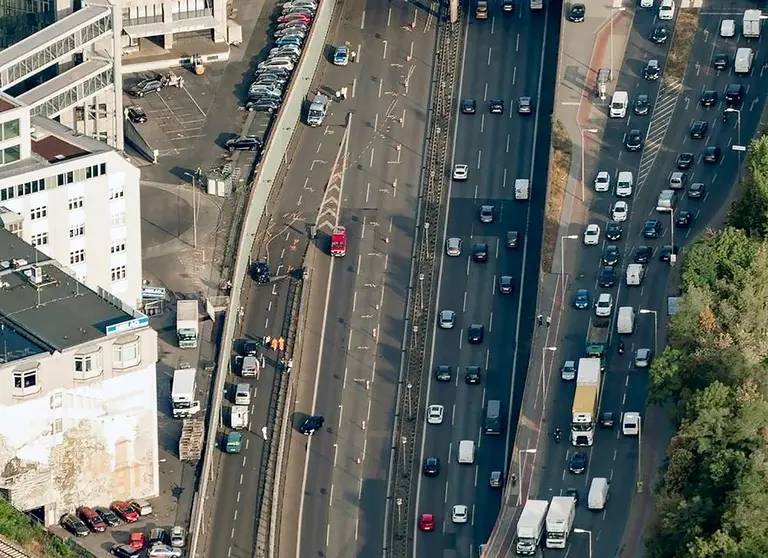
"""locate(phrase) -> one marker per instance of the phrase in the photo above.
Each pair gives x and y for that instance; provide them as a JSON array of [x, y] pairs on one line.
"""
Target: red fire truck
[[339, 242]]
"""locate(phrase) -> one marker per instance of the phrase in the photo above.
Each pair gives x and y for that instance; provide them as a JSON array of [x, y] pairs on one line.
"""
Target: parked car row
[[98, 518]]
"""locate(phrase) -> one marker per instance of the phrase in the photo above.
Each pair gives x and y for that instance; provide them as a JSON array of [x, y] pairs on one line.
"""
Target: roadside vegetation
[[17, 527], [559, 169], [682, 41], [712, 497]]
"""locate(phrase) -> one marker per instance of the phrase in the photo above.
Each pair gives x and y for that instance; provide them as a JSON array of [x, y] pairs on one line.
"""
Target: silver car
[[453, 247], [642, 358], [486, 214], [447, 319], [568, 371]]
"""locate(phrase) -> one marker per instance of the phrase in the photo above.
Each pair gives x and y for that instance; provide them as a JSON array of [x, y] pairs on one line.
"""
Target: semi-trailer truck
[[562, 511], [585, 400], [597, 339], [187, 323], [530, 527]]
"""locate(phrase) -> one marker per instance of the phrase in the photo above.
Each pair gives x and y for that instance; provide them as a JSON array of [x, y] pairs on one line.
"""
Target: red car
[[91, 519], [295, 17], [427, 522], [138, 540], [124, 511]]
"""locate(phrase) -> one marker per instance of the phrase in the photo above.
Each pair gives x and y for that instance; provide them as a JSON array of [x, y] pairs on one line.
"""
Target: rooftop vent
[[34, 275], [5, 264], [20, 262]]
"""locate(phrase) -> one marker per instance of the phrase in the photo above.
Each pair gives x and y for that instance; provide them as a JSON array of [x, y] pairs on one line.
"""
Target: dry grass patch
[[559, 170], [682, 41]]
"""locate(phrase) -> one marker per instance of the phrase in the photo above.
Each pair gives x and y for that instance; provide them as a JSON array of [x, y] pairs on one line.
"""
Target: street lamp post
[[737, 148], [520, 471], [616, 7], [194, 207], [639, 483], [544, 381], [673, 255], [583, 152], [585, 532], [655, 328], [562, 259]]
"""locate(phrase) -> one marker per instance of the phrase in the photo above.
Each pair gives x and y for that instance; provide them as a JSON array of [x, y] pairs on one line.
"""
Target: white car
[[592, 235], [453, 247], [667, 10], [447, 319], [604, 306], [728, 28], [160, 550], [435, 414], [460, 172], [620, 211], [460, 514], [602, 182], [646, 3], [624, 185]]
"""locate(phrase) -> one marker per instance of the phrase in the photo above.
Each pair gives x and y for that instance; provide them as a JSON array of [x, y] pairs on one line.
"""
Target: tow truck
[[339, 242]]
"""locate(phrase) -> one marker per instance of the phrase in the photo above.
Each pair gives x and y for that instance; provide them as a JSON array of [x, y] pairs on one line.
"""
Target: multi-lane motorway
[[666, 128], [504, 59]]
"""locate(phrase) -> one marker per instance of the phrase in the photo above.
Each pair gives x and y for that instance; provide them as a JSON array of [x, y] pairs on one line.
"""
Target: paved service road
[[375, 178], [503, 60], [625, 387]]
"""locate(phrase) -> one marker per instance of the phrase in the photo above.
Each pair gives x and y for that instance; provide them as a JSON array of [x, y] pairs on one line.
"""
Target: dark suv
[[443, 373], [244, 143], [652, 229], [734, 94], [146, 86], [311, 424], [634, 140], [261, 271]]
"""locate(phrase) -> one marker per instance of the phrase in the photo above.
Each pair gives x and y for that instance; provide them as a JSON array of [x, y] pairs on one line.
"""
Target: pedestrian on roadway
[[549, 321], [540, 319]]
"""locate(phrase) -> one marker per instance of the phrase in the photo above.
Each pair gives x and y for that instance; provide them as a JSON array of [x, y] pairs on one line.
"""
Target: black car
[[496, 106], [611, 255], [261, 271], [480, 253], [74, 525], [712, 154], [652, 229], [699, 129], [262, 105], [606, 419], [573, 493], [506, 284], [665, 254], [708, 98], [443, 373], [431, 467], [684, 161], [244, 143], [634, 140], [311, 424], [613, 230], [643, 254], [734, 94], [124, 551], [652, 70], [469, 106], [720, 61], [475, 334], [577, 13], [107, 516], [642, 105], [660, 34], [607, 277], [472, 375], [683, 219], [136, 115], [250, 348], [508, 6], [147, 86], [513, 239], [697, 190], [578, 463]]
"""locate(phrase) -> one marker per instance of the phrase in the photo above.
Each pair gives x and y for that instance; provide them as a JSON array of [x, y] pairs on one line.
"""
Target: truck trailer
[[183, 393], [530, 527], [597, 339], [585, 401], [562, 511], [187, 323]]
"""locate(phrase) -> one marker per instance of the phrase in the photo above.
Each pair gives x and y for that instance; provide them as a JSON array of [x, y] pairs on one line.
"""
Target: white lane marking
[[362, 20]]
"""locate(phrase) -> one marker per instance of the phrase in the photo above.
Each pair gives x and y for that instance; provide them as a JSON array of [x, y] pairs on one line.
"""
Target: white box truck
[[530, 527], [187, 323], [239, 417], [598, 493], [751, 24], [635, 275], [562, 512], [522, 189], [585, 400], [625, 322], [467, 452], [183, 393], [742, 63]]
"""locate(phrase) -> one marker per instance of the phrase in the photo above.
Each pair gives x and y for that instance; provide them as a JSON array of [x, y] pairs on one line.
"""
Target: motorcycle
[[558, 435], [621, 348]]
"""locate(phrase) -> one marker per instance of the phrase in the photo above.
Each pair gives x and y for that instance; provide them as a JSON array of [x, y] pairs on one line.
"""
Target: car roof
[[605, 296]]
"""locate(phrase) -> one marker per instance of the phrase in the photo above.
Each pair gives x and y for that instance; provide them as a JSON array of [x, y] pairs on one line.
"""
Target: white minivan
[[243, 394], [624, 184], [619, 104], [630, 424], [598, 493]]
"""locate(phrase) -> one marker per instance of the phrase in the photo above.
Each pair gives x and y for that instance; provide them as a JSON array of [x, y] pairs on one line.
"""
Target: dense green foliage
[[16, 526], [712, 498]]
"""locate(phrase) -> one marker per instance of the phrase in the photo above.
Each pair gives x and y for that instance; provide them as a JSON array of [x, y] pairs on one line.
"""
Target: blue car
[[341, 56], [289, 40], [581, 299]]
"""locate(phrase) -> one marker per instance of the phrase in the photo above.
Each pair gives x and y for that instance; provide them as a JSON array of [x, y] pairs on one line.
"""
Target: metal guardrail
[[269, 169], [405, 440]]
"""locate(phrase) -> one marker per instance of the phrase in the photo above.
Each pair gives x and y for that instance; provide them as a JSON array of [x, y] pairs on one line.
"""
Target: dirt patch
[[559, 170], [682, 41]]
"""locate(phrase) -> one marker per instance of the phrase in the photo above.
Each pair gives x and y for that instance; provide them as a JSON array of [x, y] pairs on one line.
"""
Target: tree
[[750, 212]]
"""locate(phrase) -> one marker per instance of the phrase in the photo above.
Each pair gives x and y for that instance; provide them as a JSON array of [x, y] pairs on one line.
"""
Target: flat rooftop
[[55, 313]]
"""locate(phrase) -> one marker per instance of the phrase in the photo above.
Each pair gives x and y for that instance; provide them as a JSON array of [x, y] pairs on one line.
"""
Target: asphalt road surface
[[373, 192], [504, 59], [625, 387]]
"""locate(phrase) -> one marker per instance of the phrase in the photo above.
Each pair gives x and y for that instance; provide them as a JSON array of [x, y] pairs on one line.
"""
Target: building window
[[126, 353], [10, 130], [118, 273], [55, 400], [116, 192], [76, 203], [38, 212], [40, 239], [95, 170], [16, 228], [118, 219], [118, 246], [26, 383], [10, 154], [76, 257], [88, 366], [77, 230]]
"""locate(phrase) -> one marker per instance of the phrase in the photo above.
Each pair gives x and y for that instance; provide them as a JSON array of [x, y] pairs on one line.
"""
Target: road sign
[[153, 293], [739, 147]]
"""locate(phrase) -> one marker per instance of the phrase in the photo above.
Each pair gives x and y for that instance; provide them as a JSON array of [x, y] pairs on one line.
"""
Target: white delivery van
[[239, 417], [243, 394], [619, 104], [625, 322], [522, 189], [598, 493], [630, 424], [624, 184], [635, 275], [467, 452], [742, 63]]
